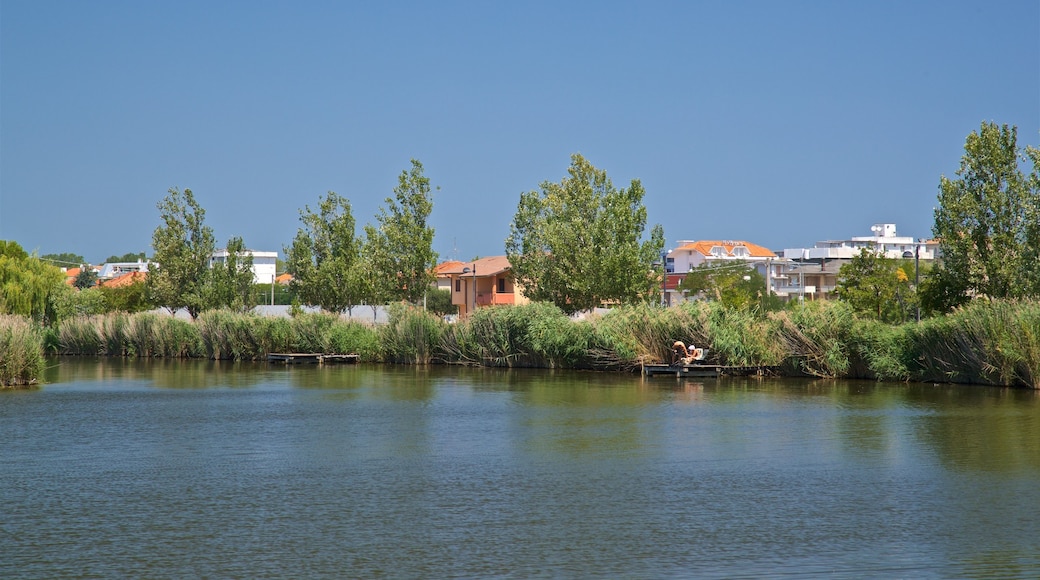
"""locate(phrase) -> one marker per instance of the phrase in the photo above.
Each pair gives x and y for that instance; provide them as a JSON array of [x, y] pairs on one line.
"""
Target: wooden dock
[[702, 370], [296, 358]]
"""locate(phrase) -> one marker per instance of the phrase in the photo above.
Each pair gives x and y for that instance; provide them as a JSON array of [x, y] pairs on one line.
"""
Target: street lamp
[[664, 279], [474, 271], [917, 275]]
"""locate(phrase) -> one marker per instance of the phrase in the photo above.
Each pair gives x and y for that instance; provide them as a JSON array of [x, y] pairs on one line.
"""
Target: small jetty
[[296, 358], [703, 370]]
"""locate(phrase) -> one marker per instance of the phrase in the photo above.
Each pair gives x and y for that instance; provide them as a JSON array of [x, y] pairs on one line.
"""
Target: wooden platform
[[295, 358], [701, 370]]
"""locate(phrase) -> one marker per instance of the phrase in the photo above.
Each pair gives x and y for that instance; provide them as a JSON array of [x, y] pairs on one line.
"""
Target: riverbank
[[988, 343]]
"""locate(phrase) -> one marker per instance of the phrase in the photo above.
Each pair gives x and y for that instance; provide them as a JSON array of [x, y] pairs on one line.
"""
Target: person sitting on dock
[[683, 355], [678, 351]]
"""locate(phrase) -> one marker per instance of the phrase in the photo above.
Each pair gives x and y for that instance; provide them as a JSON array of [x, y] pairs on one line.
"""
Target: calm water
[[190, 469]]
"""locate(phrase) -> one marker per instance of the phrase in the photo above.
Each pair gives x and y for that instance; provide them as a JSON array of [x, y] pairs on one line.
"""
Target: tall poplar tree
[[400, 250], [183, 245], [231, 281], [987, 223], [324, 254], [579, 243]]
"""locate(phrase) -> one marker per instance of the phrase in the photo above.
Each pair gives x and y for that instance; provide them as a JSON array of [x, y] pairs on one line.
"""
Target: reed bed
[[993, 343], [216, 335], [21, 351], [996, 343]]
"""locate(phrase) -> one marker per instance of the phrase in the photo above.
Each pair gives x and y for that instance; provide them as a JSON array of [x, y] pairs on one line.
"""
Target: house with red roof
[[694, 254], [484, 282]]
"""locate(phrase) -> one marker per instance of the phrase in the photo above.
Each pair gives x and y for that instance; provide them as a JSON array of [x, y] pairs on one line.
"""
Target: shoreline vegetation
[[986, 342]]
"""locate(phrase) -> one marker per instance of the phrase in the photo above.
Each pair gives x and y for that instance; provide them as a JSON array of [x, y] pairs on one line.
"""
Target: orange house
[[483, 282]]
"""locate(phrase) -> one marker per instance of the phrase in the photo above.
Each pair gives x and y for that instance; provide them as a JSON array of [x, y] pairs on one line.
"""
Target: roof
[[284, 278], [489, 266], [125, 280], [704, 247], [71, 274], [446, 268]]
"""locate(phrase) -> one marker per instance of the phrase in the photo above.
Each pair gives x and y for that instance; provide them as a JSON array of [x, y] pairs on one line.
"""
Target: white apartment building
[[812, 273], [884, 240], [265, 264]]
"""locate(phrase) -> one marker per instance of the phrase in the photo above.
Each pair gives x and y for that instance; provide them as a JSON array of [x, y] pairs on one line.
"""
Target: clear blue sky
[[778, 122]]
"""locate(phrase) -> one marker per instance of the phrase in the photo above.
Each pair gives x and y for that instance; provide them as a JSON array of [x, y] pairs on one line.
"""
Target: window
[[458, 285], [501, 284], [718, 251], [741, 251]]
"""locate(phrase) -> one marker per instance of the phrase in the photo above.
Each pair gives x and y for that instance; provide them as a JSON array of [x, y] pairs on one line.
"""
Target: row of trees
[[579, 243], [576, 243], [182, 276], [334, 268]]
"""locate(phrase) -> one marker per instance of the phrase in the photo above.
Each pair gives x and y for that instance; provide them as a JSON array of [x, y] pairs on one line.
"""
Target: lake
[[172, 469]]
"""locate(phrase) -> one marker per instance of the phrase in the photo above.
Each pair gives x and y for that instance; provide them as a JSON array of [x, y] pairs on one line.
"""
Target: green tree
[[183, 245], [128, 257], [735, 285], [130, 298], [231, 284], [87, 278], [323, 255], [68, 303], [876, 286], [577, 242], [27, 283], [986, 223], [438, 301], [64, 259], [400, 249]]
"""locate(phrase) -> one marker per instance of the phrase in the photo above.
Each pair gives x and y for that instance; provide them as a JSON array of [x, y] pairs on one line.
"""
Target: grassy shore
[[21, 352], [991, 343]]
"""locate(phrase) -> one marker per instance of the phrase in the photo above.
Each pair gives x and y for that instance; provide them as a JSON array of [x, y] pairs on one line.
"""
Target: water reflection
[[125, 468]]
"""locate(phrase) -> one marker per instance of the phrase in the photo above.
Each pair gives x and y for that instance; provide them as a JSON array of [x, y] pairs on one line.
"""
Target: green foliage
[[129, 298], [27, 283], [21, 351], [323, 258], [400, 250], [231, 280], [987, 223], [121, 334], [877, 287], [183, 246], [128, 257], [814, 338], [64, 259], [438, 301], [68, 302], [986, 342], [735, 285], [87, 278], [577, 243], [411, 335]]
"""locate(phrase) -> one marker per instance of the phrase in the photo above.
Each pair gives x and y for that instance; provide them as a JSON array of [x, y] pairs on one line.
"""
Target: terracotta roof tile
[[125, 280], [704, 247], [489, 266]]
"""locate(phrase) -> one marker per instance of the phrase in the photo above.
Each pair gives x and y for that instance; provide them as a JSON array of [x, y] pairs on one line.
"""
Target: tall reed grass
[[995, 343], [21, 351], [217, 335]]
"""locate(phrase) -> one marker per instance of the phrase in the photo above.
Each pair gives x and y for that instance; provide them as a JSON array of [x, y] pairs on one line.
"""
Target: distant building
[[813, 272], [265, 264], [884, 241], [117, 269], [483, 282], [694, 254]]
